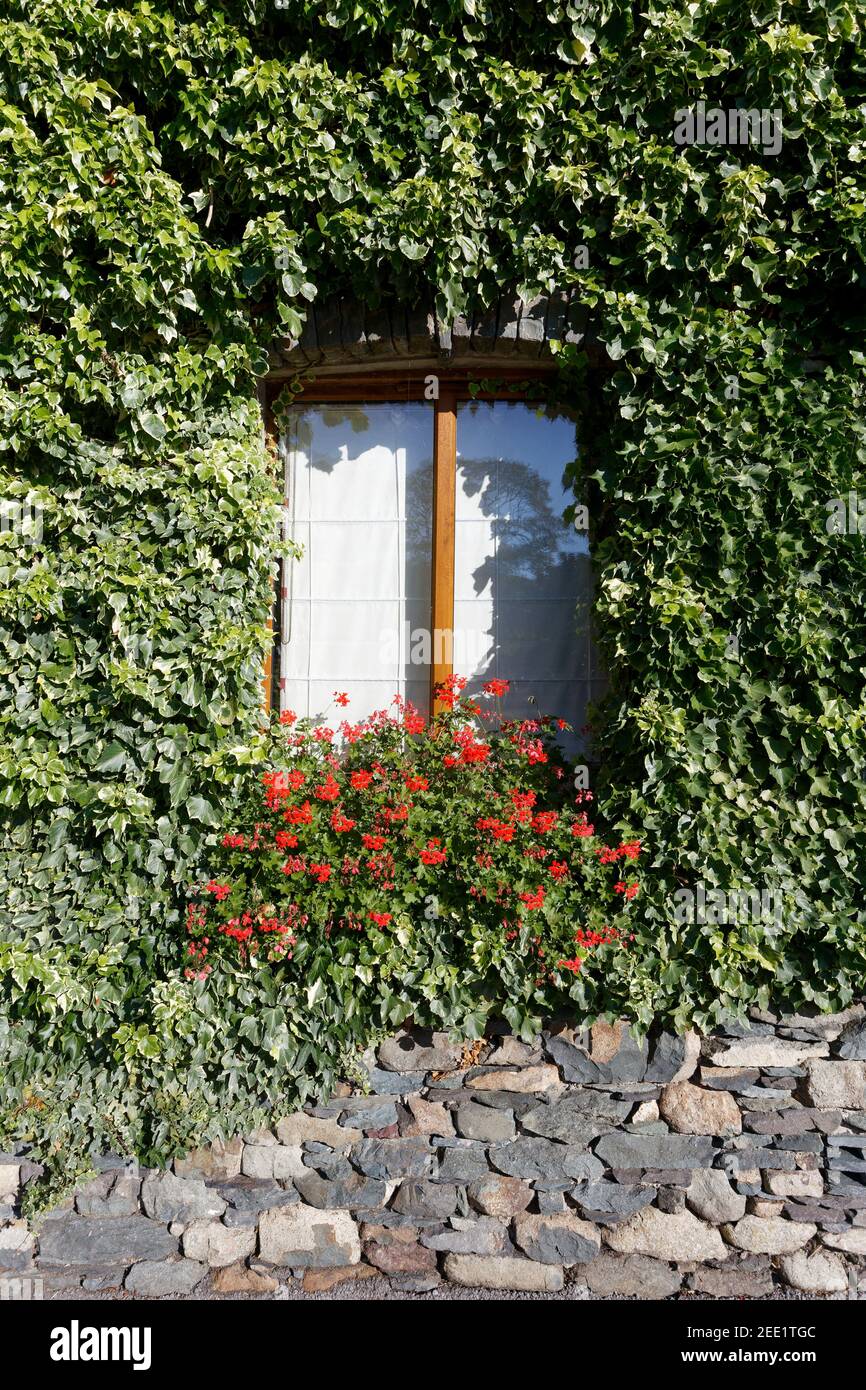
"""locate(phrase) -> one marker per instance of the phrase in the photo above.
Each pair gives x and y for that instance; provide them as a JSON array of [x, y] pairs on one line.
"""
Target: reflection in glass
[[522, 575]]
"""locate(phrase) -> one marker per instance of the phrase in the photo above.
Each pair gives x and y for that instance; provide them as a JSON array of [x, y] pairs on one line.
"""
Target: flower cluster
[[462, 823]]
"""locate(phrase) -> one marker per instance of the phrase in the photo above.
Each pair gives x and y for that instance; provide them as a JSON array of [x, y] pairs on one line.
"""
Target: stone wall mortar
[[719, 1165]]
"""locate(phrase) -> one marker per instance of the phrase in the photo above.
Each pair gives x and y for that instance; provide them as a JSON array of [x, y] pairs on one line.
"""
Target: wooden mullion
[[444, 501]]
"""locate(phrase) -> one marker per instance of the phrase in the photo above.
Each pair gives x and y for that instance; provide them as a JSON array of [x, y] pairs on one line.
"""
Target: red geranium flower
[[328, 790], [449, 691], [533, 900], [433, 854], [219, 890]]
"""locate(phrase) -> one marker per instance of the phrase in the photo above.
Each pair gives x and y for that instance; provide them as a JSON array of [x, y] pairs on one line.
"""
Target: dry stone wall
[[717, 1165]]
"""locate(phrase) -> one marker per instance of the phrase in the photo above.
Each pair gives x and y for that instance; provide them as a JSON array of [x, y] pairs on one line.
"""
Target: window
[[433, 541]]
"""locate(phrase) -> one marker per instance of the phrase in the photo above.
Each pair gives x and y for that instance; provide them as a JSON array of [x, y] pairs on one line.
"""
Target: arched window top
[[343, 335]]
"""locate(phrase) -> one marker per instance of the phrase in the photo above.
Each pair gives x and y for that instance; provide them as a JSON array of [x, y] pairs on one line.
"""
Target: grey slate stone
[[475, 1236], [585, 1167], [768, 1159], [655, 1151], [766, 1102], [742, 1031], [482, 1122], [235, 1219], [393, 1083], [367, 1112], [629, 1062], [779, 1122], [426, 1199], [847, 1161], [800, 1143], [554, 1241], [606, 1201], [744, 1080], [86, 1240], [463, 1165], [254, 1195], [551, 1202], [330, 1165], [852, 1044], [578, 1118], [160, 1279], [113, 1193], [574, 1064], [540, 1159], [515, 1101], [671, 1199], [393, 1158], [168, 1198], [16, 1261], [355, 1193], [658, 1177], [110, 1162]]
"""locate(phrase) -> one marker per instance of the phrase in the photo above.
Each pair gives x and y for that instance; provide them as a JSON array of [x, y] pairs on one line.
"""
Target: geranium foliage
[[179, 181]]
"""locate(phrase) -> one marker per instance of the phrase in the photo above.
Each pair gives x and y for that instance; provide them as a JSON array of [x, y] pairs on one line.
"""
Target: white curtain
[[359, 501]]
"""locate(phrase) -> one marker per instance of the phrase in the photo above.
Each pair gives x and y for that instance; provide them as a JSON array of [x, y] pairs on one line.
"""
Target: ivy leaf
[[200, 809], [113, 759], [412, 250], [153, 425]]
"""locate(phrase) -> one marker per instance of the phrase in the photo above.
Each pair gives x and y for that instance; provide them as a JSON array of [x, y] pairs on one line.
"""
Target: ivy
[[180, 181]]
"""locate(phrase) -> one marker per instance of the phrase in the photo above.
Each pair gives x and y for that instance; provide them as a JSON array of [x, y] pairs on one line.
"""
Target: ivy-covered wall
[[179, 182]]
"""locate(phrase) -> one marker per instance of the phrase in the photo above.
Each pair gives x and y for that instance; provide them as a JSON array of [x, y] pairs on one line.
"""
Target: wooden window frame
[[336, 387]]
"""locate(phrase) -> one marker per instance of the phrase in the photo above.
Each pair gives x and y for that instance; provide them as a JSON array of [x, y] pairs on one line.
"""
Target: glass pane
[[358, 482], [522, 582]]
